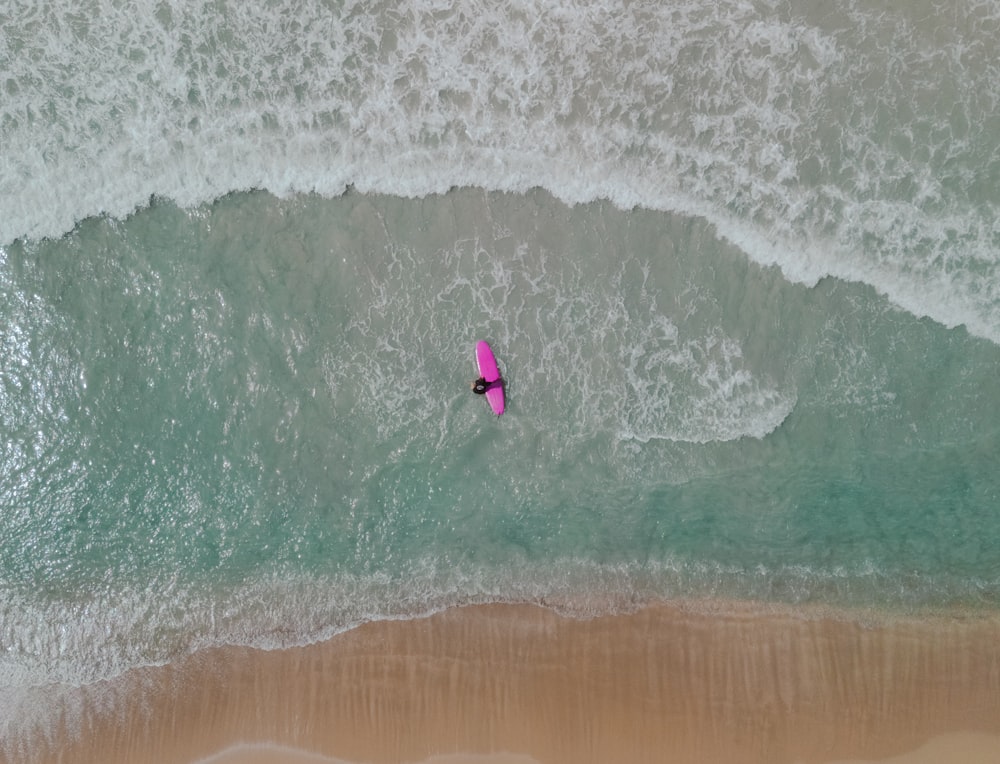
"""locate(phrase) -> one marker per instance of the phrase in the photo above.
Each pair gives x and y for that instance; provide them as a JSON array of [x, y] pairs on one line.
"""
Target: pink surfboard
[[488, 371]]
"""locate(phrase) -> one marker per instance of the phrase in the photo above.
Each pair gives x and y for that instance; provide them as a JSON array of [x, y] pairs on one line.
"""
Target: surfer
[[481, 386], [490, 384]]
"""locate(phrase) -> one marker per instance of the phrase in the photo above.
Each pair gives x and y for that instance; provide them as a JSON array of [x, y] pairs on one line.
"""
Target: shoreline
[[274, 754], [721, 682], [965, 747]]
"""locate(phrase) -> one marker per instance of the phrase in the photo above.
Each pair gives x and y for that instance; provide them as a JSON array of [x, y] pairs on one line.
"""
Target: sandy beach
[[514, 684]]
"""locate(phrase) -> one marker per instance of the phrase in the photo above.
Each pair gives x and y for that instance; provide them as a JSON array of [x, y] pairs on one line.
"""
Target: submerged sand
[[515, 684]]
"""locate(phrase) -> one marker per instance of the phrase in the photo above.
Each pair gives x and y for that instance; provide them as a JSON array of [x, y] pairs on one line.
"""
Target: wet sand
[[712, 683], [272, 754]]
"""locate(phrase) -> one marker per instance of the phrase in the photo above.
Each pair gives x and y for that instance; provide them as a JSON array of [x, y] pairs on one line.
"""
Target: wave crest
[[847, 143]]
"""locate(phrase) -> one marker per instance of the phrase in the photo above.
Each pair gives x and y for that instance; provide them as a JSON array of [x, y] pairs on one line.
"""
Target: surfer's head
[[479, 386]]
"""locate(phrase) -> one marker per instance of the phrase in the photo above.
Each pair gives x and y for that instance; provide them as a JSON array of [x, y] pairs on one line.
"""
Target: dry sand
[[730, 683]]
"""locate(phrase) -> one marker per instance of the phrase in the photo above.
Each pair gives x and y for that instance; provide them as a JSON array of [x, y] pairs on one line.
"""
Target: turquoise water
[[738, 262]]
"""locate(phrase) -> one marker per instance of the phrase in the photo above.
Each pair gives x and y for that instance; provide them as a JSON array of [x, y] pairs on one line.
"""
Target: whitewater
[[846, 142]]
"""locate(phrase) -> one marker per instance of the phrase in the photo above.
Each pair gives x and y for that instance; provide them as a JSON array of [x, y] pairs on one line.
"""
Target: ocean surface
[[739, 261]]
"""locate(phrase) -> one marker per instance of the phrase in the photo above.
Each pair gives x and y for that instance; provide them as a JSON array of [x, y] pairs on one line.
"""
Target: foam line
[[851, 143]]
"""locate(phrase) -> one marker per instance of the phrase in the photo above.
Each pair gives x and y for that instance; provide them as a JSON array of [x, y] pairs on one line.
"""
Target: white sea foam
[[65, 642], [854, 143], [723, 399], [636, 373], [59, 653]]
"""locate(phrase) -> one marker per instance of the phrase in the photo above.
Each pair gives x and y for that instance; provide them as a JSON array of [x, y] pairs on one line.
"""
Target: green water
[[266, 389]]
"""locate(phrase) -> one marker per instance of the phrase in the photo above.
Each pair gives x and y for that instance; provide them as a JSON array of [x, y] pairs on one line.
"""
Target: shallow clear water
[[765, 367]]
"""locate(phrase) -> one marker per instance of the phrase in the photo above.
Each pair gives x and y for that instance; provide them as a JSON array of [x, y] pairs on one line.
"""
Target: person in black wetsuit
[[480, 386]]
